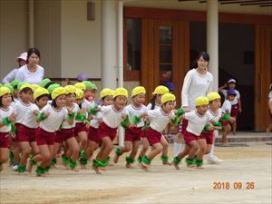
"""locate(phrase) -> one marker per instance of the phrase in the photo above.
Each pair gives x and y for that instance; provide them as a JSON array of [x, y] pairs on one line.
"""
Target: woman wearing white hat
[[21, 59]]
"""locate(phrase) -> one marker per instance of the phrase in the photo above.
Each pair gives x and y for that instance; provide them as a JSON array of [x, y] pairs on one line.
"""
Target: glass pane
[[166, 35], [166, 54], [134, 44]]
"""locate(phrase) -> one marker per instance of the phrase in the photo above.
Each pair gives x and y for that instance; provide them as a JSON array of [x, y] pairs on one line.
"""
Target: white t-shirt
[[22, 111], [30, 119], [133, 111], [96, 119], [270, 96], [157, 106], [215, 117], [226, 107], [65, 124], [3, 114], [236, 99], [54, 120], [159, 120], [25, 75], [112, 117], [196, 122], [195, 85], [10, 76]]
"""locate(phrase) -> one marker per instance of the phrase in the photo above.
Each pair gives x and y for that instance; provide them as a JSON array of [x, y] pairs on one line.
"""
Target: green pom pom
[[225, 117], [205, 129], [5, 121], [81, 117], [180, 112], [71, 116], [40, 117], [93, 111], [217, 124], [136, 119], [146, 125], [125, 122]]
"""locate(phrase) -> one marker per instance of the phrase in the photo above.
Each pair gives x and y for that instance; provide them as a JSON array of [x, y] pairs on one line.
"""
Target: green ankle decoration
[[40, 170], [129, 160], [108, 159], [190, 161], [81, 154], [164, 158], [118, 151], [21, 169], [146, 160], [176, 160], [32, 162], [46, 169], [140, 159], [83, 161], [11, 156], [95, 163], [199, 163], [64, 158], [72, 164], [99, 163], [54, 161]]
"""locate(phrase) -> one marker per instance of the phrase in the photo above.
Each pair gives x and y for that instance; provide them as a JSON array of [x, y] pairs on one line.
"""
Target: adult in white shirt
[[31, 72], [270, 108], [21, 59]]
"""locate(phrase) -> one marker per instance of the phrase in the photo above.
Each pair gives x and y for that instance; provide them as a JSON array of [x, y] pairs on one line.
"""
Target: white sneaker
[[15, 167], [214, 160]]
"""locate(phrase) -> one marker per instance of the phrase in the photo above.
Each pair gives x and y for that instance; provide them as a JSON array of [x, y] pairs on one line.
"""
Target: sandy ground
[[249, 166]]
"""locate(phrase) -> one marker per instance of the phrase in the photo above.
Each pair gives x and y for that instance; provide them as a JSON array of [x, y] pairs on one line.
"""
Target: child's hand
[[124, 116], [12, 117], [186, 108], [46, 114], [82, 110], [70, 110], [36, 112], [210, 127]]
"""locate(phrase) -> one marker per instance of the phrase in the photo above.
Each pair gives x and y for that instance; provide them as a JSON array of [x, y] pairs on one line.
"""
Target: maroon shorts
[[93, 135], [4, 140], [45, 138], [133, 134], [224, 122], [25, 134], [208, 136], [183, 126], [106, 131], [80, 127], [189, 137], [64, 134], [153, 136], [234, 110]]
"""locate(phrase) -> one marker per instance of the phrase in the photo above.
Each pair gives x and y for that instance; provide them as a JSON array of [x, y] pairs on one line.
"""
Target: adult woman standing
[[32, 72], [270, 108], [197, 82]]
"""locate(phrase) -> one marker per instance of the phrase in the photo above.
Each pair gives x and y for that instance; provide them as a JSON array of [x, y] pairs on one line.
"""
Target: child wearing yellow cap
[[133, 134], [106, 98], [197, 120], [113, 116], [159, 119], [7, 117], [51, 118]]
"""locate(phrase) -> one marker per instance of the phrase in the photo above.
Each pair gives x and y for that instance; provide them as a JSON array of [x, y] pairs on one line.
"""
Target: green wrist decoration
[[93, 111], [40, 117], [6, 121], [176, 160], [217, 124], [71, 116], [129, 160], [205, 129], [125, 122], [146, 160], [136, 119], [146, 125], [81, 117], [180, 112], [225, 117]]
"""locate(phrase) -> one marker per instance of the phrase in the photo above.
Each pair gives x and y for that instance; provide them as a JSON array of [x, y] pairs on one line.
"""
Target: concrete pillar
[[109, 44], [120, 44], [31, 23], [212, 40]]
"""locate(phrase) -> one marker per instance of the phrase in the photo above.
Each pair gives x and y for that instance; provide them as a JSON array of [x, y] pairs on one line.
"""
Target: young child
[[196, 122], [106, 97], [66, 133], [7, 116], [226, 119], [159, 119], [50, 117], [155, 103], [113, 116], [134, 134]]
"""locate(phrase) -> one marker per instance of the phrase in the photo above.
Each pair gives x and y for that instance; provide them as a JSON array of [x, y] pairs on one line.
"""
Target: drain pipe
[[31, 23]]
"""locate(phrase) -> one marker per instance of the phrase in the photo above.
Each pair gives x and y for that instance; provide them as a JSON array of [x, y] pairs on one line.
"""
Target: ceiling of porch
[[225, 6]]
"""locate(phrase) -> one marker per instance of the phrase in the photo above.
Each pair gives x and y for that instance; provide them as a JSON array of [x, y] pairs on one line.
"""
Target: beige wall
[[13, 33], [80, 39]]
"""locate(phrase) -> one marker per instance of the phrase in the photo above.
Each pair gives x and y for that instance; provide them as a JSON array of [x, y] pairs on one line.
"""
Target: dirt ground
[[243, 177]]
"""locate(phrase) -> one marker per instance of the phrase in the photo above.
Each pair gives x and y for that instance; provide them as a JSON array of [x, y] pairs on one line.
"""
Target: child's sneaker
[[214, 160]]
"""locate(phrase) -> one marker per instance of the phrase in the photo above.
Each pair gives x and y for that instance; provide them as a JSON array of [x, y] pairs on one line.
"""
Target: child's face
[[215, 104], [168, 106], [61, 101], [42, 101], [120, 102], [202, 109], [88, 94], [231, 97], [158, 99], [26, 96], [107, 100], [6, 100], [15, 93], [231, 85], [139, 99], [70, 99]]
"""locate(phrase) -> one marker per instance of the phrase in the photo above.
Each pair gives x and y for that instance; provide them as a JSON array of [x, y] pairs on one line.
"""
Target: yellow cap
[[39, 92], [106, 92], [34, 87], [4, 90], [79, 93], [25, 86], [80, 85], [167, 97], [161, 90], [138, 90], [120, 92], [57, 92], [212, 96], [201, 100], [69, 89]]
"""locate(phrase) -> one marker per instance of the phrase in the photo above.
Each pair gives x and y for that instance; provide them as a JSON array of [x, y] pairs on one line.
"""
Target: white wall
[[80, 39]]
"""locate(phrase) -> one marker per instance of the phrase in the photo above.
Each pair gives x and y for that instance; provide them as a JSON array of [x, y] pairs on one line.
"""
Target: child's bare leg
[[178, 144], [3, 157], [234, 126], [120, 150], [269, 129], [74, 148], [164, 156], [25, 147], [144, 149], [200, 153], [190, 159], [180, 156], [225, 133], [133, 153], [156, 149]]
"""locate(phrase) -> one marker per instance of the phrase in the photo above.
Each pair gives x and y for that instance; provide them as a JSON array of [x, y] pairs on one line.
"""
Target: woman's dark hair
[[152, 101], [41, 96], [204, 55], [31, 51]]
